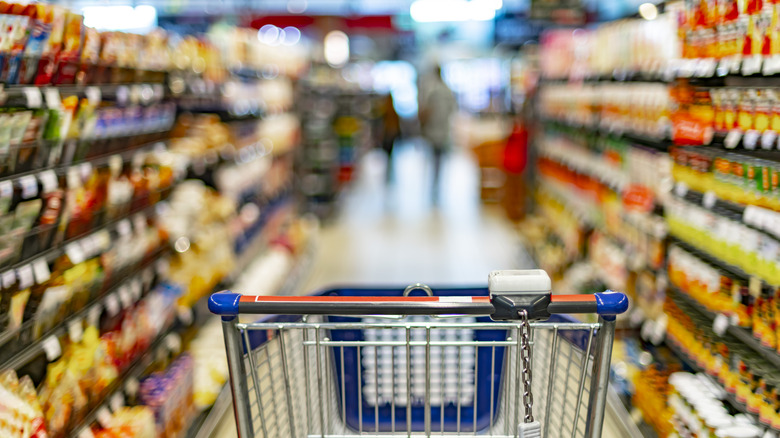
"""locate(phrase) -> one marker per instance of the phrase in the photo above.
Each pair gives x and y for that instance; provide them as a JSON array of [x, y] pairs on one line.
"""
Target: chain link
[[525, 358]]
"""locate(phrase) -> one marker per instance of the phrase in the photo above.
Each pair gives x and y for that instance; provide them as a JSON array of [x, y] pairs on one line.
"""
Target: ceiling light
[[648, 11]]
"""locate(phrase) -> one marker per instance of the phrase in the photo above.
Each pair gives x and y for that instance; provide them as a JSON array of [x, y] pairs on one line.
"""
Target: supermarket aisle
[[394, 235]]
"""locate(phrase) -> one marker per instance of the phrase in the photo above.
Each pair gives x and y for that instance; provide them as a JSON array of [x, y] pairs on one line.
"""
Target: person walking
[[437, 106]]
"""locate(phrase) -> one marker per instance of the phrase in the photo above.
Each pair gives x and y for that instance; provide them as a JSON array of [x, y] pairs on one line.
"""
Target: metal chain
[[525, 358]]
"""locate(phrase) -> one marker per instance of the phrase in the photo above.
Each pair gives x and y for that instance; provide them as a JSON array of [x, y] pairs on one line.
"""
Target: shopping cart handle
[[499, 307]]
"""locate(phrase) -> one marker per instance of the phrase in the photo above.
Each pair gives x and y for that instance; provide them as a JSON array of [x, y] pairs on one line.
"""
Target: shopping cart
[[385, 362]]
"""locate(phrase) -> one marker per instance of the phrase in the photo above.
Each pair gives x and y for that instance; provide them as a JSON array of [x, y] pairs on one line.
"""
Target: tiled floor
[[395, 234]]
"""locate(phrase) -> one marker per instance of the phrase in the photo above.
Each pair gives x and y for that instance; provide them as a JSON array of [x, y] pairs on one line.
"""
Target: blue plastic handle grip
[[225, 304], [611, 303]]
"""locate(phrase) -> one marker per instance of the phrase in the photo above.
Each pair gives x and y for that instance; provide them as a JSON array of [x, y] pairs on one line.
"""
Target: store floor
[[394, 234]]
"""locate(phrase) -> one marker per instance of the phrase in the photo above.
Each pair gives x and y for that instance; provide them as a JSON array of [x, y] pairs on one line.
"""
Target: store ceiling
[[307, 7]]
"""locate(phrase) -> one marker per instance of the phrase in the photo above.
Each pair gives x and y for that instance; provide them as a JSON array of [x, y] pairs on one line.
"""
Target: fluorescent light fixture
[[142, 18], [336, 48], [426, 11], [296, 6], [648, 11], [291, 36]]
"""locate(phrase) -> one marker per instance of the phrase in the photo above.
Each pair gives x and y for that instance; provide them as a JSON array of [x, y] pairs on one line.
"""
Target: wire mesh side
[[567, 381], [298, 380]]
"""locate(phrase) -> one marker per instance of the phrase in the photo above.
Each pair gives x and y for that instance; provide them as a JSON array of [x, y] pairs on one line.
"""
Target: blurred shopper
[[390, 133], [437, 104], [515, 161]]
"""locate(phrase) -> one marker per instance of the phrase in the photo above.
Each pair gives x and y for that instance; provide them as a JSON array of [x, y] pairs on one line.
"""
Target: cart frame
[[322, 396]]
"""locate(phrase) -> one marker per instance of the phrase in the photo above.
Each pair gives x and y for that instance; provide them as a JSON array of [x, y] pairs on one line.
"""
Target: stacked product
[[622, 158]]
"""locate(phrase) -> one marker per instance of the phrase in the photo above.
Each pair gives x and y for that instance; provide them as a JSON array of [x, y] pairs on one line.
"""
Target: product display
[[655, 179]]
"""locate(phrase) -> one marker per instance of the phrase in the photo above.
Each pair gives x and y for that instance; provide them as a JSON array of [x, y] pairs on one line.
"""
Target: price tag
[[706, 68], [125, 297], [750, 139], [41, 270], [185, 315], [754, 285], [720, 324], [48, 181], [139, 222], [103, 416], [29, 186], [102, 240], [131, 386], [86, 170], [173, 342], [163, 266], [732, 139], [6, 189], [768, 140], [158, 91], [637, 317], [87, 246], [708, 200], [86, 433], [122, 94], [112, 304], [33, 96], [76, 330], [751, 65], [136, 289], [25, 276], [681, 189], [659, 330], [124, 228], [724, 67], [648, 327], [93, 95], [73, 179], [75, 253], [9, 278], [117, 401], [52, 348], [52, 95], [93, 317]]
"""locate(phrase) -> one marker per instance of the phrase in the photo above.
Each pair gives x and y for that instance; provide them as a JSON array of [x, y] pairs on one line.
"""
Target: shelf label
[[162, 266], [75, 253], [112, 304], [708, 200], [768, 139], [117, 401], [41, 270], [754, 286], [86, 433], [185, 315], [751, 65], [48, 181], [173, 342], [131, 386], [681, 189], [93, 317], [104, 417], [9, 278], [52, 95], [76, 330], [125, 297], [29, 186], [52, 348], [732, 138], [136, 289], [750, 139], [93, 95], [124, 228], [33, 96], [659, 330], [720, 324], [25, 276]]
